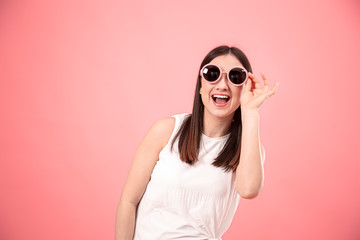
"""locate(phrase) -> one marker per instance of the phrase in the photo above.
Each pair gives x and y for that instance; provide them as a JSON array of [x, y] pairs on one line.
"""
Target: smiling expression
[[222, 98]]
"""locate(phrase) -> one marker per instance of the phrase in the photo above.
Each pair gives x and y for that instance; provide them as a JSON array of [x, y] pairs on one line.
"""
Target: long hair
[[192, 127]]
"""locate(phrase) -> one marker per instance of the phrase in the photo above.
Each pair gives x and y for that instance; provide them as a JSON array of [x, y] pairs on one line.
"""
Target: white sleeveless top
[[185, 201]]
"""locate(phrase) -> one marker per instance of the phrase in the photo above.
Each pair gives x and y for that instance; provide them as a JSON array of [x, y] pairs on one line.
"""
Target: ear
[[200, 90]]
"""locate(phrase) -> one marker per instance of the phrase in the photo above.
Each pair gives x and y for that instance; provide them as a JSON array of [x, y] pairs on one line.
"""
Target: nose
[[223, 82]]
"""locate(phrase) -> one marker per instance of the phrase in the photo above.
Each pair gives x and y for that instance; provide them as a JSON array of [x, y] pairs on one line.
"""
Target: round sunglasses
[[212, 73]]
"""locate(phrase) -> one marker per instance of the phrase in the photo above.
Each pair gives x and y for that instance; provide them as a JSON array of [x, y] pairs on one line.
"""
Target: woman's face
[[221, 108]]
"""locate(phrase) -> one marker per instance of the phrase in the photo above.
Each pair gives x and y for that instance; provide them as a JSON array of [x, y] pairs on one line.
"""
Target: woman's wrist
[[249, 113]]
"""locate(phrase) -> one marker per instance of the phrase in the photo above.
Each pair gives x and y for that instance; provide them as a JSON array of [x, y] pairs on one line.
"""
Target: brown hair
[[191, 129]]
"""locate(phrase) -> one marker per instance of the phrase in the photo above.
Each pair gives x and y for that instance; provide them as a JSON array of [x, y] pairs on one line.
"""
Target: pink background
[[75, 102]]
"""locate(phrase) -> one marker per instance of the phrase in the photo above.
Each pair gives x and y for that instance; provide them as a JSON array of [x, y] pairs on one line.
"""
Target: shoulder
[[161, 130], [164, 126]]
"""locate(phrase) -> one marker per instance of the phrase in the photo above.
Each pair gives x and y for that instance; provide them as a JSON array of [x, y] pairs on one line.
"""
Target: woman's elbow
[[248, 193]]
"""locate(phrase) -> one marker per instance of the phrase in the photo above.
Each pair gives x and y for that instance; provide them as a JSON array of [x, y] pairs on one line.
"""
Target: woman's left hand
[[253, 95]]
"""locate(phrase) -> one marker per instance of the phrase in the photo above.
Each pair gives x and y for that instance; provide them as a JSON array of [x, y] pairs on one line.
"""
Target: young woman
[[190, 170]]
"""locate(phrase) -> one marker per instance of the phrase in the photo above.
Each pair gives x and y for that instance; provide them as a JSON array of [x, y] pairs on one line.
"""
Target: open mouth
[[220, 98]]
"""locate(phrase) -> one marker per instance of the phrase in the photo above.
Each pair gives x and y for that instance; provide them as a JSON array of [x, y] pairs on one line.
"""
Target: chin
[[221, 113]]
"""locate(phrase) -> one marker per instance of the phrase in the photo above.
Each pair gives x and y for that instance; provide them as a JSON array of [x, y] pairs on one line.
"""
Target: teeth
[[220, 96]]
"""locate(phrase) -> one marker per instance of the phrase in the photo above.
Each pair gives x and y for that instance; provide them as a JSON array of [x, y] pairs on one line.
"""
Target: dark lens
[[237, 75], [211, 73]]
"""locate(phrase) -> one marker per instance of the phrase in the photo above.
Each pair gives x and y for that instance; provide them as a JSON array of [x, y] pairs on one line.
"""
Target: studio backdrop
[[81, 82]]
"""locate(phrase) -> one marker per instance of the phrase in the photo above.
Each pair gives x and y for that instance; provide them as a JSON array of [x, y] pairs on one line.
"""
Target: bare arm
[[141, 168], [250, 171]]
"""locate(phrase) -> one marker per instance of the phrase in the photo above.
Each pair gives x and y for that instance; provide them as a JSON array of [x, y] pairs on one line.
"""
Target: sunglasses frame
[[221, 72]]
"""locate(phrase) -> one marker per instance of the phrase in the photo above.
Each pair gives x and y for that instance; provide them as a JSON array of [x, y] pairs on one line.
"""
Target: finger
[[258, 92], [256, 81], [254, 77], [273, 91], [266, 81], [257, 84], [248, 85], [266, 88]]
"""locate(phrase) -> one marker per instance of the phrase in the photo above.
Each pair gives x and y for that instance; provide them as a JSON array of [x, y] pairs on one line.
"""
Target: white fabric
[[187, 202]]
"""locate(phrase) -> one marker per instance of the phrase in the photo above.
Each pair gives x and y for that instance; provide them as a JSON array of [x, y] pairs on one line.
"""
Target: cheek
[[204, 89], [236, 101], [204, 97], [204, 94], [237, 95]]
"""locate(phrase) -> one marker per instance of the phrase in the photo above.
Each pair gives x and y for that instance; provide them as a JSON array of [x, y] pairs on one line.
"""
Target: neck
[[215, 126]]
